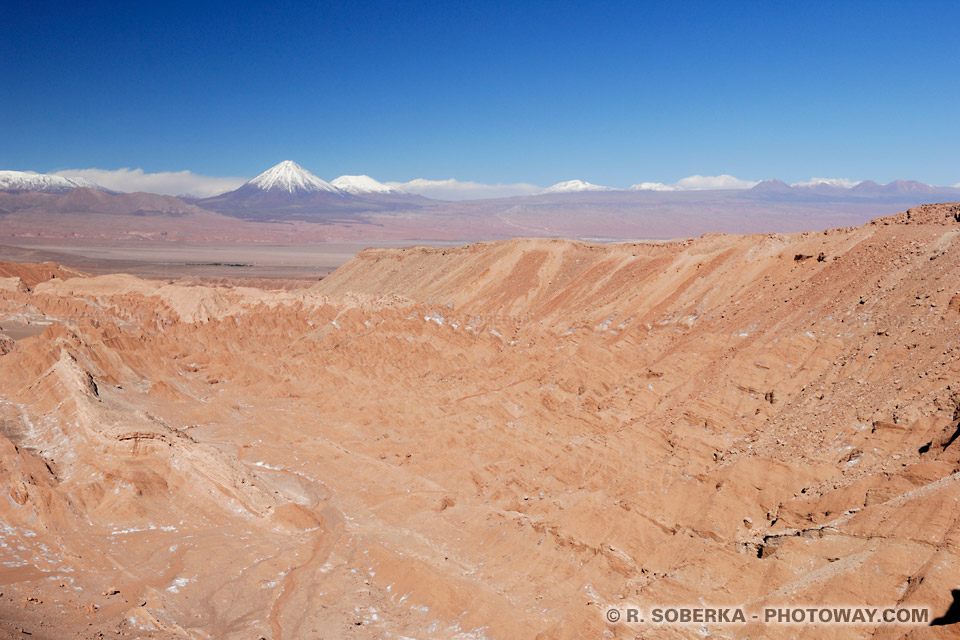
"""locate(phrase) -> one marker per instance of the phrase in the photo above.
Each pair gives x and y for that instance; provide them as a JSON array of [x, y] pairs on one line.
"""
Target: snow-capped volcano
[[18, 181], [291, 177], [359, 185], [573, 186], [288, 191]]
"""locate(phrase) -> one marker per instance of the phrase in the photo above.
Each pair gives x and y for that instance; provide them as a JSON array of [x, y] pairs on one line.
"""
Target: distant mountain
[[290, 177], [40, 195], [287, 191], [362, 185], [825, 185], [771, 186], [81, 200], [816, 189], [28, 181], [905, 187], [834, 190], [574, 186]]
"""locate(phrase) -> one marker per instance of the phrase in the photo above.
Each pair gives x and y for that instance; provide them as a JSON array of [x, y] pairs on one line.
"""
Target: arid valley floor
[[496, 440]]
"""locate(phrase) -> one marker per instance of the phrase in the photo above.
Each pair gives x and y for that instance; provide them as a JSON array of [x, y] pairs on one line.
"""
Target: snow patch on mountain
[[840, 183], [291, 177], [17, 181], [574, 186], [358, 185]]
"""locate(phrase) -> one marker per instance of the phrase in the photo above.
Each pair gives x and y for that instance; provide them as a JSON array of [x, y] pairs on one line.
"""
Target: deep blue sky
[[613, 93]]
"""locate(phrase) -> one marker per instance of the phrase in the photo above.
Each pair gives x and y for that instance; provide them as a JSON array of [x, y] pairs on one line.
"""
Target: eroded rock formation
[[497, 440]]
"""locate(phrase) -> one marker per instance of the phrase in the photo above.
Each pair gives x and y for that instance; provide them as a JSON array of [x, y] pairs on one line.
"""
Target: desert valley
[[497, 440]]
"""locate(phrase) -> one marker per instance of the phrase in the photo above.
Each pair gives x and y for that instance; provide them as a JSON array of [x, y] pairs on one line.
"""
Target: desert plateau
[[496, 440]]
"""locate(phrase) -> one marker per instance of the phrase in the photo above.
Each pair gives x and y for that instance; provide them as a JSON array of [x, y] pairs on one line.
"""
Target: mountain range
[[774, 187], [907, 190], [28, 181], [360, 207], [83, 199]]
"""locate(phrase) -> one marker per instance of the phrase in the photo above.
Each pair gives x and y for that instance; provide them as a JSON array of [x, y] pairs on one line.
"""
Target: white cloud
[[173, 183], [724, 181], [832, 182], [654, 186], [453, 189]]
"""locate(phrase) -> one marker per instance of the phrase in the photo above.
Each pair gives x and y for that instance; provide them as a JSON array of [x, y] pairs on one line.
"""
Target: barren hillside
[[492, 441]]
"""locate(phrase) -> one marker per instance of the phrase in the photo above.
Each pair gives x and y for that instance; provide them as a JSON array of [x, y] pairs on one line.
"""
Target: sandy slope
[[494, 441]]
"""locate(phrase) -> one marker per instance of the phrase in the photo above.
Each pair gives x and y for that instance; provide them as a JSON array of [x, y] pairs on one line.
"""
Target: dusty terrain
[[300, 261], [491, 441], [130, 220]]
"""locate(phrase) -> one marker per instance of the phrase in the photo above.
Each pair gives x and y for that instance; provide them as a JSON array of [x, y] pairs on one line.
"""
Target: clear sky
[[538, 92]]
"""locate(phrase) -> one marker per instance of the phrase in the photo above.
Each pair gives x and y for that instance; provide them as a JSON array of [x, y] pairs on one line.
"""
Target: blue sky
[[613, 93]]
